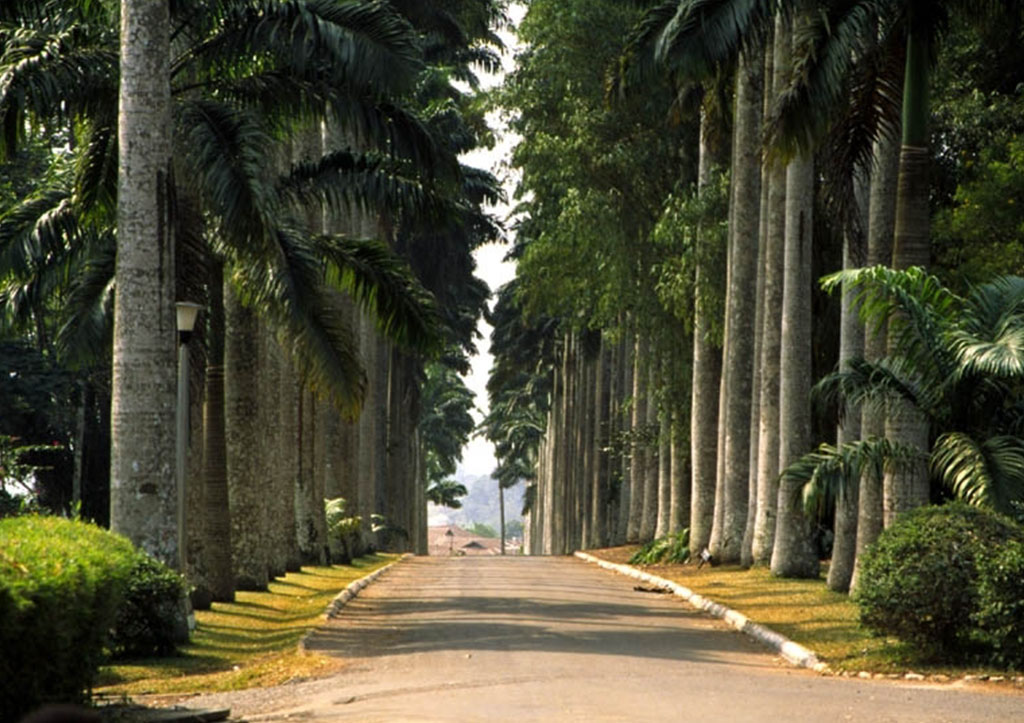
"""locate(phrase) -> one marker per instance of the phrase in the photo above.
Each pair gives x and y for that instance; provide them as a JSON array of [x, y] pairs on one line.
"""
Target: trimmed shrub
[[919, 581], [151, 620], [61, 582], [1000, 613]]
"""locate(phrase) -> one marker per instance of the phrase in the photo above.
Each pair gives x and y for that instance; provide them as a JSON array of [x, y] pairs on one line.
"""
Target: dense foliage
[[151, 620], [921, 579], [61, 586]]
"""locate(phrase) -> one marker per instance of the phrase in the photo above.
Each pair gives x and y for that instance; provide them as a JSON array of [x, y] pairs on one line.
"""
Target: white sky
[[478, 455]]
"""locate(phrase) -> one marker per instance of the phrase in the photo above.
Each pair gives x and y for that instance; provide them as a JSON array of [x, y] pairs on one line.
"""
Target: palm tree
[[958, 363]]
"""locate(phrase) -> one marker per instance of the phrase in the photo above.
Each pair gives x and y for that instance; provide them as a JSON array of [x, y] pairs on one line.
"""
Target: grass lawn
[[805, 611], [248, 643]]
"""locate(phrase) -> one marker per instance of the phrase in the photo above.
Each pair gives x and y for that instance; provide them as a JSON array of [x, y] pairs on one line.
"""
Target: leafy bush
[[919, 581], [674, 548], [61, 583], [1000, 613], [151, 620]]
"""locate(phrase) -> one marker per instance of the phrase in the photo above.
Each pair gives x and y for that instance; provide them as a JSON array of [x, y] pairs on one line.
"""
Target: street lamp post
[[186, 312]]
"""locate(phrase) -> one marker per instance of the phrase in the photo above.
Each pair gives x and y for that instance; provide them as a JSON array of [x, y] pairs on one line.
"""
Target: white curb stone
[[350, 592], [796, 654]]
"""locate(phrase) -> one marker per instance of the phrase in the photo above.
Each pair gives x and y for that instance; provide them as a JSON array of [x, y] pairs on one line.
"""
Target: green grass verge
[[805, 611], [250, 642]]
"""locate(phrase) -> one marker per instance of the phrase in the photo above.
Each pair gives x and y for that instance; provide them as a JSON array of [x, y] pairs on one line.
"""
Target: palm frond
[[382, 283], [986, 474], [704, 35], [840, 66], [36, 229], [865, 384], [88, 332], [364, 45], [829, 471], [50, 76], [230, 157], [989, 335], [345, 181], [96, 169], [916, 306], [289, 290], [638, 61]]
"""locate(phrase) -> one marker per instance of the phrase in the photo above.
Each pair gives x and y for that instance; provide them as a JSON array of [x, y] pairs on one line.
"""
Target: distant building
[[459, 542]]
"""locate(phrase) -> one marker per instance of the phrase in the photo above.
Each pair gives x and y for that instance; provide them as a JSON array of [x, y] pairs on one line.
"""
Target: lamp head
[[187, 311]]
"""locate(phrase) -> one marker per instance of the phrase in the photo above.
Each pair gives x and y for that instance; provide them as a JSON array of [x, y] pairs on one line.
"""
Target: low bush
[[1000, 613], [151, 620], [919, 581], [61, 583]]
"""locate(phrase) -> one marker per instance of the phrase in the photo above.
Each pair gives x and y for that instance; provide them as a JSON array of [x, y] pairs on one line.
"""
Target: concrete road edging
[[794, 653], [351, 590]]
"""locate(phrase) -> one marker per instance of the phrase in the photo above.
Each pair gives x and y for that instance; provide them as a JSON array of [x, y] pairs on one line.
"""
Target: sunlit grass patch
[[250, 642]]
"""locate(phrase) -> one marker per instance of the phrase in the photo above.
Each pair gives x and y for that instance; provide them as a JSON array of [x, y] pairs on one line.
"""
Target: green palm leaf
[[361, 44], [989, 336], [989, 473], [383, 283], [828, 472]]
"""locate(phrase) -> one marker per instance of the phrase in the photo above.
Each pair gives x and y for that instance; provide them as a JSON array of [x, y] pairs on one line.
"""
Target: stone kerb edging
[[351, 590], [794, 653]]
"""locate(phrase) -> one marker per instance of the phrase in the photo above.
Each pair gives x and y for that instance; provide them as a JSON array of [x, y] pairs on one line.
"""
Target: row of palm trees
[[292, 165], [829, 97]]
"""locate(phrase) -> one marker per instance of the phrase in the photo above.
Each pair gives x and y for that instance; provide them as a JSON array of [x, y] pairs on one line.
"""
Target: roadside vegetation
[[248, 643]]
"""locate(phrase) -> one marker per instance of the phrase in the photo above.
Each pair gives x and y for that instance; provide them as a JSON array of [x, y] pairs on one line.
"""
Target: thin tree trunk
[[707, 371], [881, 219], [636, 461], [649, 517], [851, 346], [598, 444], [623, 415]]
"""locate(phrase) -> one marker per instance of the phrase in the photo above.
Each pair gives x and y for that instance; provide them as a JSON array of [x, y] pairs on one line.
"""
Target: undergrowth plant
[[673, 548]]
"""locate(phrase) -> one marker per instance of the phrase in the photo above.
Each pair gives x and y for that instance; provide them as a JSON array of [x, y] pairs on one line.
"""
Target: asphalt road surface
[[555, 639]]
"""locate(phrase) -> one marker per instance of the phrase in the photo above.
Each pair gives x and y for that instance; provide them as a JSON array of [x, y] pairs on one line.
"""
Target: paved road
[[555, 639]]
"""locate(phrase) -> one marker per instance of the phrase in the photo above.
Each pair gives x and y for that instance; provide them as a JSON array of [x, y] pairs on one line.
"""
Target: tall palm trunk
[[881, 218], [246, 494], [366, 430], [908, 488], [738, 349], [664, 450], [794, 554], [143, 499], [766, 514], [217, 523], [636, 464]]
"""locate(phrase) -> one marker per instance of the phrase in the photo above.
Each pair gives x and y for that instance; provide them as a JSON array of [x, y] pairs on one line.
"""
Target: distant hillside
[[481, 504]]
